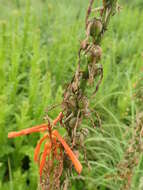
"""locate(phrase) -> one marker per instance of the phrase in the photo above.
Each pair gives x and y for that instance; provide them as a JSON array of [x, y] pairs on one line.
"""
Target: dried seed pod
[[72, 122], [94, 54], [81, 138], [95, 28], [98, 52]]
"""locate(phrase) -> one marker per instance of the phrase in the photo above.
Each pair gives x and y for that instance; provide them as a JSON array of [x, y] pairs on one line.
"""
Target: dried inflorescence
[[75, 106], [89, 73], [132, 154]]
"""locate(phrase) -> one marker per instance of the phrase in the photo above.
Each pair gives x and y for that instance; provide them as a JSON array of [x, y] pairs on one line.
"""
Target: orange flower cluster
[[54, 140]]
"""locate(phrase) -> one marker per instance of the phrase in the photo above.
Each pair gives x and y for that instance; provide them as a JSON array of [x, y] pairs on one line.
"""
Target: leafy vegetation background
[[39, 40]]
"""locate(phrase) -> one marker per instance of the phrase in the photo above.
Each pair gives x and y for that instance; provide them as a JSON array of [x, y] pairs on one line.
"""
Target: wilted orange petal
[[38, 128], [46, 152], [69, 152], [37, 149]]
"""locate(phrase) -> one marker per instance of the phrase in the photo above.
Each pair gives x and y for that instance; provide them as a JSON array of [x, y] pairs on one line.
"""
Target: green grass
[[39, 41]]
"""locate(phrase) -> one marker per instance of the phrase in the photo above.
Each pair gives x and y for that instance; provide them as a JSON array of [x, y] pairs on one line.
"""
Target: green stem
[[10, 174]]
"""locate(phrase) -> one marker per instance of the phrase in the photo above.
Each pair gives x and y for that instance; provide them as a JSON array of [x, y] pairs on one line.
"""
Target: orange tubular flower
[[51, 146], [46, 152], [69, 152], [37, 149], [38, 128]]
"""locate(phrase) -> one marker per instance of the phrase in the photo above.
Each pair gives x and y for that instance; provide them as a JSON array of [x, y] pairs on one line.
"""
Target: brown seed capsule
[[81, 138], [97, 52], [72, 122], [95, 28]]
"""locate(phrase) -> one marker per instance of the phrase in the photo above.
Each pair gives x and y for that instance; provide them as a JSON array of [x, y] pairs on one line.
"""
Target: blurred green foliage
[[38, 54]]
